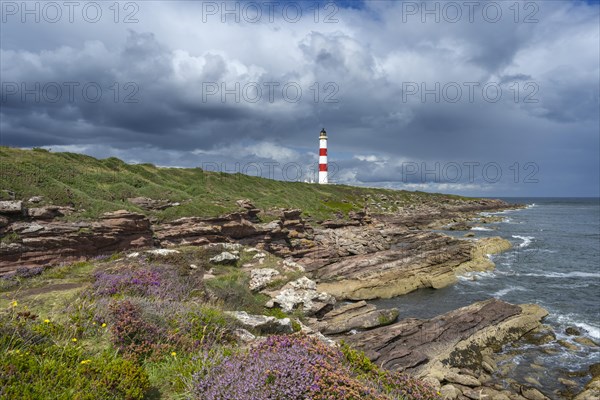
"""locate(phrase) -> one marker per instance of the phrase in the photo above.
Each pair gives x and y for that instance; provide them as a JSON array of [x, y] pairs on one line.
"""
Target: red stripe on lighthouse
[[322, 152], [322, 167]]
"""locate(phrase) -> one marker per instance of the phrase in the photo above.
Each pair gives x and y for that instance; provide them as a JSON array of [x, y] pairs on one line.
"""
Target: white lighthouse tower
[[323, 157]]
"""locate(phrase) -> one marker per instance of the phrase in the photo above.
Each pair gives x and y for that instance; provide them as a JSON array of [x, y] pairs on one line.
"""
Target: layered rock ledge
[[455, 351]]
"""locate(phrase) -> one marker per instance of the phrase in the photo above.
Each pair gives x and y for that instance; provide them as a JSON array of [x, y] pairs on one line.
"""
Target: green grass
[[96, 186]]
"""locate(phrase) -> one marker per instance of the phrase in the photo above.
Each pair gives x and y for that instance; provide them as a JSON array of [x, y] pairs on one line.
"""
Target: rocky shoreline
[[343, 263]]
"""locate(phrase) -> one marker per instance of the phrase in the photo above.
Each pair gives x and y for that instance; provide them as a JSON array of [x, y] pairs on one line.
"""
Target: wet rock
[[532, 393], [488, 364], [573, 331], [355, 316], [585, 341], [568, 345], [568, 382], [225, 258], [459, 226], [540, 336], [301, 293], [262, 323], [595, 370], [591, 391], [532, 381], [260, 278]]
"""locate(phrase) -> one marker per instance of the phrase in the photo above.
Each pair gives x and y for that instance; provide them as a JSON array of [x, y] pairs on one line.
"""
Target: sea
[[555, 263]]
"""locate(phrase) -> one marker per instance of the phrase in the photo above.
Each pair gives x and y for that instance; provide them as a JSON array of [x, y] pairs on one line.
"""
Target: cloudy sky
[[477, 98]]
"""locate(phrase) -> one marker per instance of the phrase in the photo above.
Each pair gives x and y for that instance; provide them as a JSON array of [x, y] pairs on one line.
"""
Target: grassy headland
[[94, 186]]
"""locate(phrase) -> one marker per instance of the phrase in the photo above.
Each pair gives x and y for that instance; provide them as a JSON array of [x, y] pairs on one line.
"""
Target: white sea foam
[[526, 240], [503, 292], [476, 276], [572, 274], [592, 330], [480, 228]]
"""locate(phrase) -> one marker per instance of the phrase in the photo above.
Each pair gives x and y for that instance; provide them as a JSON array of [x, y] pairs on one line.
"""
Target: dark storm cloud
[[380, 80]]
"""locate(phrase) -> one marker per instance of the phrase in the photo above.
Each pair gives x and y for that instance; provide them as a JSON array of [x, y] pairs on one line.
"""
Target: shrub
[[150, 329], [140, 282], [131, 333], [297, 367], [282, 367], [160, 282], [392, 384], [28, 272], [34, 364], [66, 372]]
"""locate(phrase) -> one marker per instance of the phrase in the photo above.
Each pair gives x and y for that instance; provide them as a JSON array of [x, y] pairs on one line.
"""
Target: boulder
[[310, 332], [11, 207], [244, 335], [162, 252], [225, 258], [293, 214], [48, 212], [464, 380], [262, 323], [260, 278], [301, 293], [449, 392]]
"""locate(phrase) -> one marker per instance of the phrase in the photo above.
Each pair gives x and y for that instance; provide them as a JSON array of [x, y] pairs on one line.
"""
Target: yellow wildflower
[[47, 321], [74, 340], [173, 353], [14, 303], [86, 361], [104, 325]]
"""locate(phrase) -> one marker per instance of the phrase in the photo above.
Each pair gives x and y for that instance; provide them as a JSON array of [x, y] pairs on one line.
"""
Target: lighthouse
[[323, 157]]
